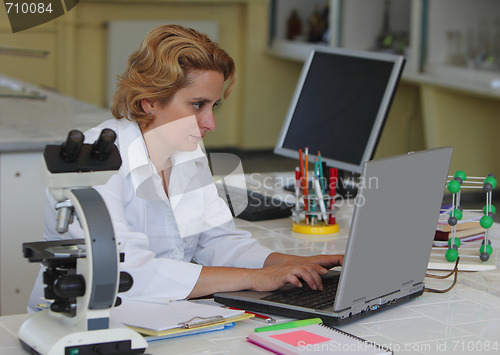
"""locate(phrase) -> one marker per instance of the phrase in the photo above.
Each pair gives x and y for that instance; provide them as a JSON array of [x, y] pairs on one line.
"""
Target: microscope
[[81, 275]]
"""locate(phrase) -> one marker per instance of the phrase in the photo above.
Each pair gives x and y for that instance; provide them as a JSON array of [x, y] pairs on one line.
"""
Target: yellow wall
[[470, 123], [429, 116], [31, 69], [403, 128]]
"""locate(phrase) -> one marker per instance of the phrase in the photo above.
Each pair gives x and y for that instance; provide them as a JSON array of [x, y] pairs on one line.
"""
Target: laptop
[[388, 249]]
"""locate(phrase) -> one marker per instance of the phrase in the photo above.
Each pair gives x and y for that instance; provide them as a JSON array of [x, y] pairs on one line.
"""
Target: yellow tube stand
[[318, 228], [314, 211], [316, 218]]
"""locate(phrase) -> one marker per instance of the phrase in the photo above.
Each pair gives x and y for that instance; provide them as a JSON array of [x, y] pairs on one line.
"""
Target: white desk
[[467, 319]]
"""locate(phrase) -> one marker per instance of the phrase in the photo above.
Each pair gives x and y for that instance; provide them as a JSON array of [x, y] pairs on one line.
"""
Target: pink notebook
[[316, 339]]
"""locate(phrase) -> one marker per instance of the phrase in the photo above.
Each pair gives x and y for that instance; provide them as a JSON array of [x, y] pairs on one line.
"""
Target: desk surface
[[466, 319]]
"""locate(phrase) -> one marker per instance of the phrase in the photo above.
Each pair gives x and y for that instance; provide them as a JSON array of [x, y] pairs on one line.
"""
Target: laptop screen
[[393, 225]]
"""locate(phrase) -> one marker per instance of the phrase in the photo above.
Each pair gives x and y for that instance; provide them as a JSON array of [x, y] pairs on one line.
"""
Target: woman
[[178, 236]]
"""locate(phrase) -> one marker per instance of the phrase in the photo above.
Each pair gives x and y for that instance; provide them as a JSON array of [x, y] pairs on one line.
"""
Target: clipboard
[[186, 332], [197, 322], [181, 331], [155, 319]]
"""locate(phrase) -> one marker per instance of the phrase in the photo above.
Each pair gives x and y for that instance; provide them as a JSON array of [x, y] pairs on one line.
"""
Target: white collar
[[136, 162]]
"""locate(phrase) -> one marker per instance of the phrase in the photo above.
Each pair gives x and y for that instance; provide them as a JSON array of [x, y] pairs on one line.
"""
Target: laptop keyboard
[[307, 297]]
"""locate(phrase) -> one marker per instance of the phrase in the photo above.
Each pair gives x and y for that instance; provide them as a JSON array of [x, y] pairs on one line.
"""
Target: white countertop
[[464, 320], [29, 124]]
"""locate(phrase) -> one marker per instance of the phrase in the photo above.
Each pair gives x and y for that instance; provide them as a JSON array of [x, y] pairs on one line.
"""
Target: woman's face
[[193, 104]]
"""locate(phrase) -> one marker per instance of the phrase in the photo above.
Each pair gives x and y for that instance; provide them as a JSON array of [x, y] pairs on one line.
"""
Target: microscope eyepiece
[[102, 146], [70, 149]]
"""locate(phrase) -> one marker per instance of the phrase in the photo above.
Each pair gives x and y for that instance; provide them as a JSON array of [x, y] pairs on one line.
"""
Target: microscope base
[[47, 335]]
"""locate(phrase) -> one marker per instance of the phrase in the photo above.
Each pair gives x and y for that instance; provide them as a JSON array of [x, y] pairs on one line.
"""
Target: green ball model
[[458, 214], [491, 180], [451, 254], [457, 242], [461, 174], [492, 209], [454, 186], [489, 249], [486, 222]]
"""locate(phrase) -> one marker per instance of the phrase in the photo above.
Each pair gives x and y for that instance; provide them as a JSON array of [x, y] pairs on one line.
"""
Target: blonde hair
[[162, 65]]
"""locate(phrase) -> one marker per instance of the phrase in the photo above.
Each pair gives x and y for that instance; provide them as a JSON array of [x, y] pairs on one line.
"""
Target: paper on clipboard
[[174, 333], [178, 314]]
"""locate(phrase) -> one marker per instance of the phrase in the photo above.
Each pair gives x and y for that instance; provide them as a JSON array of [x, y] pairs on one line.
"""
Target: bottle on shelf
[[385, 38], [293, 25], [317, 26]]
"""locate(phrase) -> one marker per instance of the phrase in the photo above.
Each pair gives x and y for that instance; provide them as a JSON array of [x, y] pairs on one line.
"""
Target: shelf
[[485, 84], [478, 82], [355, 24], [293, 50]]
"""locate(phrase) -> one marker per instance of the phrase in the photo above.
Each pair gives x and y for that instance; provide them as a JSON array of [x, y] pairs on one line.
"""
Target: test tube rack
[[314, 212]]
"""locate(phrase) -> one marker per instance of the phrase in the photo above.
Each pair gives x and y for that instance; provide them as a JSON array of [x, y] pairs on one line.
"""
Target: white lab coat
[[165, 240]]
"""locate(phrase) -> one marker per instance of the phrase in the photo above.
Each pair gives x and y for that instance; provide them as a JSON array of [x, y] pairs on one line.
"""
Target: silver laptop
[[388, 249]]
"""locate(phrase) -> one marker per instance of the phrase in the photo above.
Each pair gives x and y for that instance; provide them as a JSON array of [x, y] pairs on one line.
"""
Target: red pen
[[303, 177], [305, 183], [267, 319], [306, 168], [301, 162], [332, 191]]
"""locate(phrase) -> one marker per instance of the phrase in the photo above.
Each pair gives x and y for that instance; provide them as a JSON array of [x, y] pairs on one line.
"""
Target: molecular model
[[458, 182]]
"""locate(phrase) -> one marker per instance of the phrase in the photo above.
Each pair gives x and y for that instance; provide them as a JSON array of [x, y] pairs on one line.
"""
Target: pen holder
[[314, 215]]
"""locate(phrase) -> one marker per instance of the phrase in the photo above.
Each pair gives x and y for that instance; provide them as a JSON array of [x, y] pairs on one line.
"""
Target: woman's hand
[[273, 277], [280, 269]]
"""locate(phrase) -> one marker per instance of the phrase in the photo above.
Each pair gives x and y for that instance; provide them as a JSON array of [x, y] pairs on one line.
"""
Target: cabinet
[[461, 51], [463, 46], [354, 24], [22, 200], [466, 45]]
